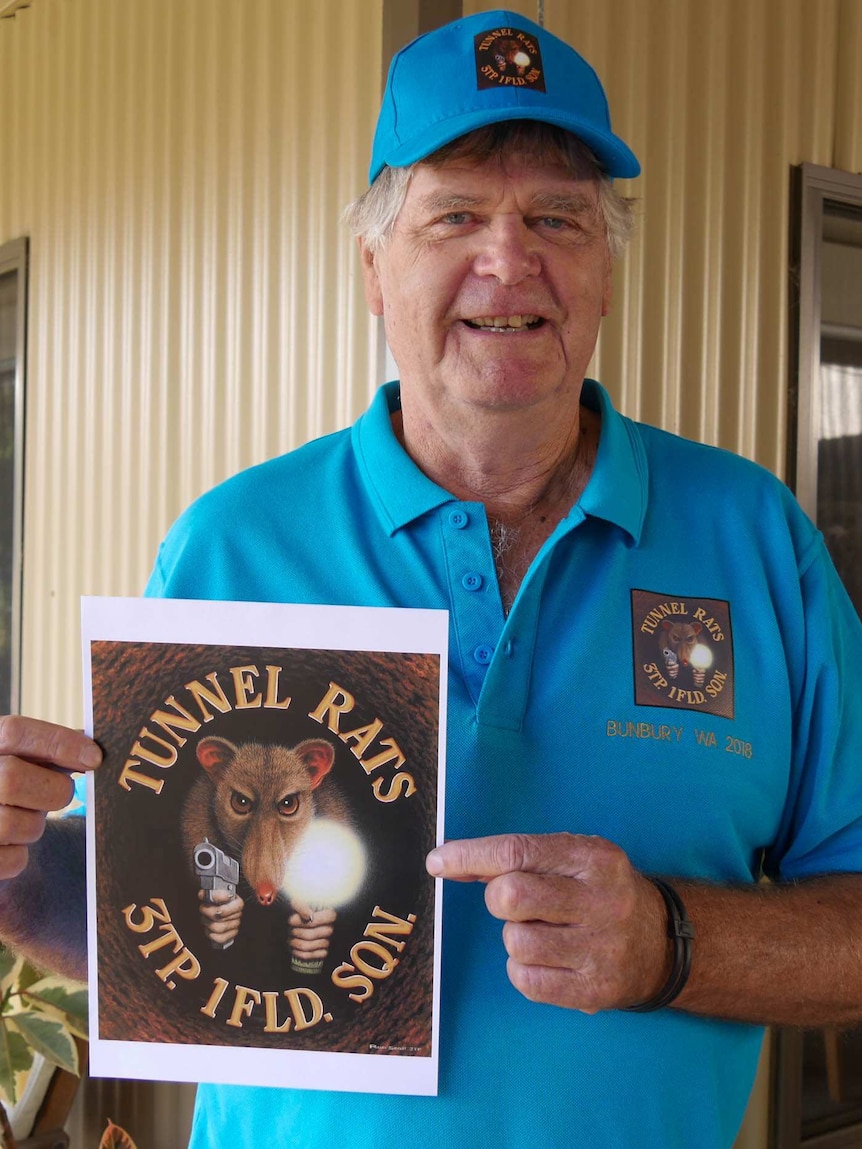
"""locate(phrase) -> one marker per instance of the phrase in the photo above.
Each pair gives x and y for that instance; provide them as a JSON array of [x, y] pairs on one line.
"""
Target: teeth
[[505, 321]]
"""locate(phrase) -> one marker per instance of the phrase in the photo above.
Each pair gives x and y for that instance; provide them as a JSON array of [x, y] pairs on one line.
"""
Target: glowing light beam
[[327, 866]]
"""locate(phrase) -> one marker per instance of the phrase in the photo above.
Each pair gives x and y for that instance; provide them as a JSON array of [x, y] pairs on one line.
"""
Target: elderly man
[[652, 669]]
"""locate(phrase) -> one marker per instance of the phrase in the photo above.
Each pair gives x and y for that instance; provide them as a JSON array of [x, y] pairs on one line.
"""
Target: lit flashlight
[[701, 660], [325, 870]]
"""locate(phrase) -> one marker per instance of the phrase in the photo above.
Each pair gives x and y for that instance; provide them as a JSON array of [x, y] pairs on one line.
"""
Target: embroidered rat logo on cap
[[508, 57]]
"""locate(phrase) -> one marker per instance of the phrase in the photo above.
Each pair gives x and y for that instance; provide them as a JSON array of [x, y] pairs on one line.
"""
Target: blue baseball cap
[[485, 69]]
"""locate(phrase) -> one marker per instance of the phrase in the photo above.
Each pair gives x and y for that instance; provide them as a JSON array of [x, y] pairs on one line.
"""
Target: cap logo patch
[[683, 652], [508, 58]]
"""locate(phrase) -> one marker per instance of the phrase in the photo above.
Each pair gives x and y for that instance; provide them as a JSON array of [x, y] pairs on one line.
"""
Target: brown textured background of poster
[[139, 850]]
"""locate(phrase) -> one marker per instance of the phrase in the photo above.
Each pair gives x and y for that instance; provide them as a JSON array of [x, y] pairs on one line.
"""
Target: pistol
[[217, 871]]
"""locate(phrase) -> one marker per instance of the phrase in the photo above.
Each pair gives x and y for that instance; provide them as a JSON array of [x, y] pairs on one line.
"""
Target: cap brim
[[618, 160]]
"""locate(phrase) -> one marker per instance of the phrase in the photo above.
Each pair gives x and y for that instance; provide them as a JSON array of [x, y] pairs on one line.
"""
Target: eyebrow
[[448, 201], [572, 203]]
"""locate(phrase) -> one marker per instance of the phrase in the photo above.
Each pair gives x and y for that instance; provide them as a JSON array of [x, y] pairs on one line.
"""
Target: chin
[[513, 389]]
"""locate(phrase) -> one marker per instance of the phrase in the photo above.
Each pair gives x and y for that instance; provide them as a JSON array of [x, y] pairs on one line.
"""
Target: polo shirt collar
[[401, 492], [617, 490]]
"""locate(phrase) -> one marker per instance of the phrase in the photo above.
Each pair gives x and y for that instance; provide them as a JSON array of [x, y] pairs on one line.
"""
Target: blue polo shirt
[[677, 674]]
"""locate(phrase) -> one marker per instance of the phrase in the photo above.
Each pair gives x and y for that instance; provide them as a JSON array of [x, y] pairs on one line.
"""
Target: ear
[[666, 625], [317, 756], [371, 278], [608, 287], [215, 752], [696, 627]]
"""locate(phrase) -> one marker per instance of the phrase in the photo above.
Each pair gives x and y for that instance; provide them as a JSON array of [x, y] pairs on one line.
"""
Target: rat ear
[[317, 756], [215, 752]]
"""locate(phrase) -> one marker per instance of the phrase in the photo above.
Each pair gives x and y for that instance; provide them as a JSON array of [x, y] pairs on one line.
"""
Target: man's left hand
[[583, 928]]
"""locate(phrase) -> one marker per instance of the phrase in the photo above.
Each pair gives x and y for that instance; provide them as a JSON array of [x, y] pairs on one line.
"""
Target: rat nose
[[265, 893], [508, 252]]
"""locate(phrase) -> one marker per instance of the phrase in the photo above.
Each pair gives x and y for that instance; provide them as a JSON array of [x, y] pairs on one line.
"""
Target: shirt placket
[[495, 652]]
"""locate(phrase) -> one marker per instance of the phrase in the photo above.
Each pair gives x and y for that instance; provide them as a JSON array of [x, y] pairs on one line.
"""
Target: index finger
[[216, 897], [481, 859], [48, 743]]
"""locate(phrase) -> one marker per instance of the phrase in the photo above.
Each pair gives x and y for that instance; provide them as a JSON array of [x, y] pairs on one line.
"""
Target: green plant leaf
[[8, 961], [10, 968], [63, 1000], [15, 1058], [28, 975], [48, 1037], [116, 1138]]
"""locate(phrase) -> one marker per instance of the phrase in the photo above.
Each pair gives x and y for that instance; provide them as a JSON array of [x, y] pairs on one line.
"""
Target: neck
[[527, 473], [518, 466]]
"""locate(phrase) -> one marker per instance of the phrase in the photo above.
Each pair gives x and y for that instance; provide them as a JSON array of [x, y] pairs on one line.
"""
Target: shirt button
[[483, 654], [458, 519], [472, 581]]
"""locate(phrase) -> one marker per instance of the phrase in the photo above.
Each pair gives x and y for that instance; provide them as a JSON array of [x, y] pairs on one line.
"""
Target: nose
[[508, 252], [265, 893]]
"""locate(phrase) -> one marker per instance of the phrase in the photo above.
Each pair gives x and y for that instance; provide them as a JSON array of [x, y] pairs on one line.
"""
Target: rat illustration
[[254, 801], [677, 641]]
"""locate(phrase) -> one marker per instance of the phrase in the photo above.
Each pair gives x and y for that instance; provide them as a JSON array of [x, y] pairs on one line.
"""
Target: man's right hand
[[36, 763]]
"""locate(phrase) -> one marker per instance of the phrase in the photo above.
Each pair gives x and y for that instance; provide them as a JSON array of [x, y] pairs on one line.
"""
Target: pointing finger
[[481, 859], [217, 897]]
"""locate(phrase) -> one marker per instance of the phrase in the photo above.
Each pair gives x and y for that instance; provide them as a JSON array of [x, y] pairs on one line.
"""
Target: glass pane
[[8, 349], [839, 459], [832, 1061], [831, 1081]]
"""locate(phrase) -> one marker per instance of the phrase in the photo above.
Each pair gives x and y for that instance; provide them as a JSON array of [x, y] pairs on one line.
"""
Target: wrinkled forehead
[[460, 182]]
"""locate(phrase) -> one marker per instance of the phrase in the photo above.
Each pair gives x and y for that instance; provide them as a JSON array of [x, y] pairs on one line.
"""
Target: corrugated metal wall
[[179, 168]]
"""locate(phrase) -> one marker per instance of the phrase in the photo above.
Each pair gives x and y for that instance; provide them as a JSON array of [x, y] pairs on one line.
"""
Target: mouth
[[505, 323]]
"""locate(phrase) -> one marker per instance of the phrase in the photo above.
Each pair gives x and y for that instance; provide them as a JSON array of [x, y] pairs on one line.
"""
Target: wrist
[[679, 933]]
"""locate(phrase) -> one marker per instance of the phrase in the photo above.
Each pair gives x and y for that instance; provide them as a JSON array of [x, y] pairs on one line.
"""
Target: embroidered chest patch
[[683, 652]]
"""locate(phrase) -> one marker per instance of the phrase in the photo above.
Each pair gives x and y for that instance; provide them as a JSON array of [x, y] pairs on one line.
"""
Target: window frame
[[14, 259], [813, 186]]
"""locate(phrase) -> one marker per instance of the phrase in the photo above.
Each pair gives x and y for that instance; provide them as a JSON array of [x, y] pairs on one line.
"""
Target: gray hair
[[372, 216]]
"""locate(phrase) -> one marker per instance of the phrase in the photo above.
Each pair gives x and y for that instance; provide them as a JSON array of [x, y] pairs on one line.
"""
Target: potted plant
[[39, 1014]]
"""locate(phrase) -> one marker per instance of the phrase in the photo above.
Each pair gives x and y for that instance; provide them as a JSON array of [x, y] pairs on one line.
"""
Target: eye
[[455, 218], [240, 803], [288, 805], [552, 223]]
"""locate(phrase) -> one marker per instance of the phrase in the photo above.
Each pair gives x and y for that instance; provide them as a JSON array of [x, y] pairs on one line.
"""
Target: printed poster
[[259, 908]]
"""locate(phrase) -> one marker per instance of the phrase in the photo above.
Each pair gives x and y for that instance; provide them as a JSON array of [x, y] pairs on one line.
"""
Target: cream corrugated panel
[[718, 100], [195, 305], [848, 94], [179, 166]]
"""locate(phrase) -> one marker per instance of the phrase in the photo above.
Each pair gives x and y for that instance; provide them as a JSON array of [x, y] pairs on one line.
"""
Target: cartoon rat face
[[255, 800]]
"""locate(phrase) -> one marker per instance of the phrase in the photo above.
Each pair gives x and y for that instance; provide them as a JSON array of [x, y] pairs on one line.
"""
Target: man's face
[[492, 286]]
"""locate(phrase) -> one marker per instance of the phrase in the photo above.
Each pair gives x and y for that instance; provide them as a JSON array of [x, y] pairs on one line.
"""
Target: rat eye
[[288, 805], [240, 803]]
